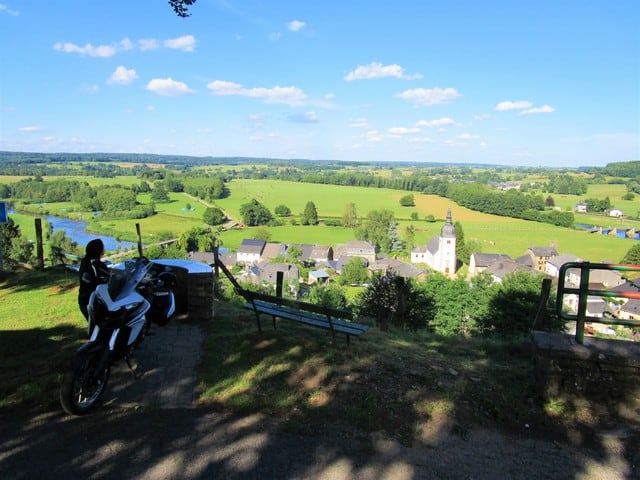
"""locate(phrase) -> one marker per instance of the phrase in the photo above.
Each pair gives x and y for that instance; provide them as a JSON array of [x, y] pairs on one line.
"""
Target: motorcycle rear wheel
[[82, 387]]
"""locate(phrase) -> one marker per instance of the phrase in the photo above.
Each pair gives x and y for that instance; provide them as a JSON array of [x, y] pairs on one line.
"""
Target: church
[[440, 252]]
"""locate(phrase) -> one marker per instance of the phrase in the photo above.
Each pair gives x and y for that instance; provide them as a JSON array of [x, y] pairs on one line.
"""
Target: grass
[[390, 382], [40, 326], [494, 234]]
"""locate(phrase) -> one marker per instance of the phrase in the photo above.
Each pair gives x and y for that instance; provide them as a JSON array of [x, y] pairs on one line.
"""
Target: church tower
[[447, 260]]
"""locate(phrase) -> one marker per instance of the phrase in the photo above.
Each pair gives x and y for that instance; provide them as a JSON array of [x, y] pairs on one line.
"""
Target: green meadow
[[494, 234]]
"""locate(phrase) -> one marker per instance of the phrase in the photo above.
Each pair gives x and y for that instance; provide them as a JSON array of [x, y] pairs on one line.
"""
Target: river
[[77, 232]]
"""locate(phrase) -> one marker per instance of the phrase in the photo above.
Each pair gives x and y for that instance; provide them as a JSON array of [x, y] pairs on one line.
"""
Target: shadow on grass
[[291, 403]]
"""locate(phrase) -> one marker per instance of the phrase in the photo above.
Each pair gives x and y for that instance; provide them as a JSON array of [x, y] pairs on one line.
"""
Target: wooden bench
[[335, 320], [338, 321]]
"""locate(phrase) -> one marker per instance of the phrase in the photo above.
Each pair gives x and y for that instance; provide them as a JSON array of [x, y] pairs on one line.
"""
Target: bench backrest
[[310, 307]]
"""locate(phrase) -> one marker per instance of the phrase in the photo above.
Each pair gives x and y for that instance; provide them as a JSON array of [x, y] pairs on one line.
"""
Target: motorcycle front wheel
[[82, 386]]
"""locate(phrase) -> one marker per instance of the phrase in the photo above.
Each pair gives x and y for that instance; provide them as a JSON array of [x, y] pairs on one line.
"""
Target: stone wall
[[602, 370]]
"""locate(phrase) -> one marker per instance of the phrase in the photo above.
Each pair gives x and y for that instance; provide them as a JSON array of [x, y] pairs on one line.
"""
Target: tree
[[181, 7], [461, 249], [407, 201], [197, 240], [632, 256], [395, 242], [514, 305], [61, 245], [294, 252], [254, 213], [9, 232], [310, 215], [282, 210], [262, 234], [354, 271], [330, 295], [350, 217], [160, 194], [410, 237], [376, 229], [549, 202], [213, 216], [391, 299]]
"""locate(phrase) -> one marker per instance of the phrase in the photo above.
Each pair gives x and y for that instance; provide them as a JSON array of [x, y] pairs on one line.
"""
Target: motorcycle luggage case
[[161, 307]]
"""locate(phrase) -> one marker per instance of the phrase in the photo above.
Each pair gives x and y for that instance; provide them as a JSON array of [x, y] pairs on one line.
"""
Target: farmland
[[495, 234]]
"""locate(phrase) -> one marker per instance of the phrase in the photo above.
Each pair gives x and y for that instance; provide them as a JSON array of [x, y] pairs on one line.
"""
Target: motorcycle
[[137, 293]]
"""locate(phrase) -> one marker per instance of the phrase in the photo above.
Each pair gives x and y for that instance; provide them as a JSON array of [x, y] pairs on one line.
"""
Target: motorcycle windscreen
[[123, 278]]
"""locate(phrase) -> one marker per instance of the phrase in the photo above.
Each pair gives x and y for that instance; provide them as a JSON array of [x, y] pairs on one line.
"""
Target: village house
[[580, 207], [614, 212], [552, 267], [273, 250], [250, 251], [500, 269], [356, 248], [392, 265], [314, 254], [267, 273], [479, 262], [540, 255], [318, 277], [439, 253]]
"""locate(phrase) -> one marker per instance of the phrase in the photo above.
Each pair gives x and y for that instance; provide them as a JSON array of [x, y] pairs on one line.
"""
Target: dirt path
[[196, 444]]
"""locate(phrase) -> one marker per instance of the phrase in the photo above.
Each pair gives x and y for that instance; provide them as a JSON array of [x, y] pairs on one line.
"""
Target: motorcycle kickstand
[[135, 369]]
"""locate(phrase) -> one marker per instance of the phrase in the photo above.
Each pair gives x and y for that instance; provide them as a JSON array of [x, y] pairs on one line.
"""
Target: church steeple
[[448, 230]]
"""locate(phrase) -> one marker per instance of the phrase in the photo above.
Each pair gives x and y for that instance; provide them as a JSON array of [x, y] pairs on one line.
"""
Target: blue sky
[[536, 83]]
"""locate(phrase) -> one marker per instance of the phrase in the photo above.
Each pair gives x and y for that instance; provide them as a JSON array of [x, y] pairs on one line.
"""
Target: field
[[493, 233]]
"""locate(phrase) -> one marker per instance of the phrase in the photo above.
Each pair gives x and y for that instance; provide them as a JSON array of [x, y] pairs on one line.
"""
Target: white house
[[250, 251], [614, 212]]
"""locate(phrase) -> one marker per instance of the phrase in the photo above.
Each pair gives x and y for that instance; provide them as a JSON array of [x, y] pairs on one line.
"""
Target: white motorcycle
[[138, 292]]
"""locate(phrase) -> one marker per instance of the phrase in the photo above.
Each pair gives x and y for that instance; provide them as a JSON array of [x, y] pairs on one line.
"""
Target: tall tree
[[350, 217], [310, 215]]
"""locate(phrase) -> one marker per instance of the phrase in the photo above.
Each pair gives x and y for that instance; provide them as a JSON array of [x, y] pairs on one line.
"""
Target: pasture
[[493, 233]]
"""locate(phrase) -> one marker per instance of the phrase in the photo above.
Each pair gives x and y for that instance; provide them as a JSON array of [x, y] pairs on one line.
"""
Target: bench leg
[[258, 322], [274, 322]]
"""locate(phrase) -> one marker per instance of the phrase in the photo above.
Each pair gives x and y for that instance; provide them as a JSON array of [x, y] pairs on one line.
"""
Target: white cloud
[[482, 116], [91, 89], [533, 111], [31, 128], [403, 131], [377, 70], [186, 43], [104, 51], [359, 123], [467, 136], [306, 117], [275, 36], [428, 97], [421, 140], [296, 25], [122, 76], [148, 44], [168, 87], [436, 123], [509, 105], [9, 11], [292, 96], [373, 136]]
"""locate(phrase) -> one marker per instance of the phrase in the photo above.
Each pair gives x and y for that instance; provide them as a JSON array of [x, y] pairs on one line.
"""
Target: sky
[[532, 83]]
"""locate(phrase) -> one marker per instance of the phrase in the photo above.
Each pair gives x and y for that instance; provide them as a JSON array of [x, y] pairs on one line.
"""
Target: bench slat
[[351, 328], [306, 313]]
